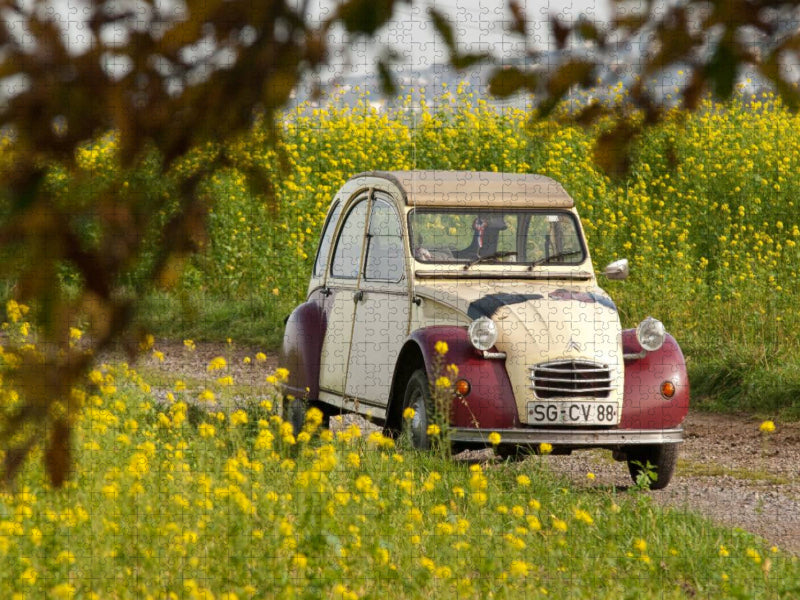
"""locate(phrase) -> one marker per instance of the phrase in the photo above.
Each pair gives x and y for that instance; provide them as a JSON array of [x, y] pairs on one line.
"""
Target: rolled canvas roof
[[481, 188]]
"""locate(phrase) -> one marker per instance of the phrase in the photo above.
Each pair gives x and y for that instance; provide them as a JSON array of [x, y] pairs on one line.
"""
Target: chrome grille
[[568, 378]]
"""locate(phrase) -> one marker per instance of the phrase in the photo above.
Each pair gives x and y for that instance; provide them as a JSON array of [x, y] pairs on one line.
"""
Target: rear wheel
[[294, 412], [418, 397], [662, 457]]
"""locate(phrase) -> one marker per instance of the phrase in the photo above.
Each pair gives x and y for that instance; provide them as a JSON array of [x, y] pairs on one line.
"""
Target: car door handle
[[358, 296]]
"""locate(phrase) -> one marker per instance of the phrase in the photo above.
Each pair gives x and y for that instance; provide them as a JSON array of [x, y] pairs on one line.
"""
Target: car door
[[341, 286], [382, 308]]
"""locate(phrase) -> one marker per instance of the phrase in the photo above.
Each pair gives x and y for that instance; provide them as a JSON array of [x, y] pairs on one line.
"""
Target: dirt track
[[727, 469]]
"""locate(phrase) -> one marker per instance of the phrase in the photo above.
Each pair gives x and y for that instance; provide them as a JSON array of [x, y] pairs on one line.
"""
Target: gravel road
[[727, 470]]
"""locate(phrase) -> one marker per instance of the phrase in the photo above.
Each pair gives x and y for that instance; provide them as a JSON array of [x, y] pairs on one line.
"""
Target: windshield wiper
[[547, 259], [493, 256]]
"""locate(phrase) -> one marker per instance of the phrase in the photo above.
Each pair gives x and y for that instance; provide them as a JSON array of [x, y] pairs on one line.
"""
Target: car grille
[[567, 378]]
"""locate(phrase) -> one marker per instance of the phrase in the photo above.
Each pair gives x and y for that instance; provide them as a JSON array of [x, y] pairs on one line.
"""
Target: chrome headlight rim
[[482, 333], [650, 334]]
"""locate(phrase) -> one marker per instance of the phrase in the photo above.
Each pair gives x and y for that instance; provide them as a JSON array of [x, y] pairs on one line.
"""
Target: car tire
[[663, 457], [418, 397], [294, 412]]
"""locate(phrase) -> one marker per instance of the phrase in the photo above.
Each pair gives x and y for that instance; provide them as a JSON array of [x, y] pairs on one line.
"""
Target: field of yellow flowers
[[196, 489], [707, 216]]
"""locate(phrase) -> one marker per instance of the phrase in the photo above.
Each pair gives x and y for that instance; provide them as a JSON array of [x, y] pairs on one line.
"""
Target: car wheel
[[418, 397], [663, 457], [294, 412]]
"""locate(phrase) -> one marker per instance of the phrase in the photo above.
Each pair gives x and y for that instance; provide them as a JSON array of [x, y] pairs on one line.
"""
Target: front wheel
[[662, 457], [418, 397]]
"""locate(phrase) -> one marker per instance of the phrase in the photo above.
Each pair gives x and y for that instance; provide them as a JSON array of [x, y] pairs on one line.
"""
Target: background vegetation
[[707, 217]]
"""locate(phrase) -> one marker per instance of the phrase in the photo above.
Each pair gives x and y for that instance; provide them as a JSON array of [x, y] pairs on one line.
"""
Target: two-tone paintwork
[[354, 343]]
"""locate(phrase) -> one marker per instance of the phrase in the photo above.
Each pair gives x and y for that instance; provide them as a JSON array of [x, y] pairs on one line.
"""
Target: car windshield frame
[[465, 259]]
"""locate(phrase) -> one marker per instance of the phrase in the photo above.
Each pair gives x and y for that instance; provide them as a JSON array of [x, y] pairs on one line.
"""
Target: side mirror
[[617, 270]]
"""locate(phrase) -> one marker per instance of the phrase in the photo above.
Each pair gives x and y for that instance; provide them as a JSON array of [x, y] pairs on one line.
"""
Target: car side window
[[347, 256], [325, 243], [385, 260]]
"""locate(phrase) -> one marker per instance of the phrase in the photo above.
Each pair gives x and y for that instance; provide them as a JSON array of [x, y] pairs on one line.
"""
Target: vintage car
[[497, 266]]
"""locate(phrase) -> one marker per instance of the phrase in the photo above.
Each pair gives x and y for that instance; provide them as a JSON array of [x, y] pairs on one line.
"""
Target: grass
[[170, 502], [256, 320]]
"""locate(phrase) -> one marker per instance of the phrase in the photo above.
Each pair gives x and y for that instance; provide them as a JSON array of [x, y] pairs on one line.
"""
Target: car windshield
[[530, 237]]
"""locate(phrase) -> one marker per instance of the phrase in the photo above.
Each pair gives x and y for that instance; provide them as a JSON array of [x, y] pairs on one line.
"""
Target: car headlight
[[650, 334], [482, 333]]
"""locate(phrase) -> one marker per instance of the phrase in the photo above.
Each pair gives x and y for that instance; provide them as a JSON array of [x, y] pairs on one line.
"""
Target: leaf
[[388, 86], [464, 61], [519, 23], [612, 150], [509, 80], [589, 31], [573, 72], [443, 27], [365, 16], [560, 32]]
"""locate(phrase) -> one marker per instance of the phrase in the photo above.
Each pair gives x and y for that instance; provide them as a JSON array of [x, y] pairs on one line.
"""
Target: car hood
[[546, 321]]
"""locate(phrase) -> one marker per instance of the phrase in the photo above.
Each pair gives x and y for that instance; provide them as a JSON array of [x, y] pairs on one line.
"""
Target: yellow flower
[[723, 552], [225, 381], [246, 360], [282, 374], [518, 568], [441, 347], [145, 344], [217, 364], [767, 427], [190, 345], [523, 480], [158, 355], [494, 438], [443, 382], [238, 417], [409, 413], [545, 448], [261, 357], [206, 396], [640, 545], [75, 333], [558, 524], [590, 476], [434, 430], [63, 591]]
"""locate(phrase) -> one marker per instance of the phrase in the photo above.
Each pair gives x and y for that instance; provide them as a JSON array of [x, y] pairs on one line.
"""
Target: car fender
[[302, 349], [490, 403], [643, 405]]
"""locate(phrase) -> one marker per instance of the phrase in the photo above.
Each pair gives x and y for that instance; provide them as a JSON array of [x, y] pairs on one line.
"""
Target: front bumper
[[570, 438]]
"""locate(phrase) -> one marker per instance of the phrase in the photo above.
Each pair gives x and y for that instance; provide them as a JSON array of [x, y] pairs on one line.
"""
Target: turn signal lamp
[[462, 387], [667, 389]]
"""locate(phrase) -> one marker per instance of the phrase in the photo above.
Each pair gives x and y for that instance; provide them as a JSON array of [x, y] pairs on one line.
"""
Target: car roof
[[474, 188]]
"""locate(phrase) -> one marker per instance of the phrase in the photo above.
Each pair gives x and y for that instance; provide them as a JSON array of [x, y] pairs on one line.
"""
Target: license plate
[[572, 413]]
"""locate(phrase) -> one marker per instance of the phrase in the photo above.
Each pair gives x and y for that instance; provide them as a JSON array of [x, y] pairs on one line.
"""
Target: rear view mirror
[[617, 270]]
